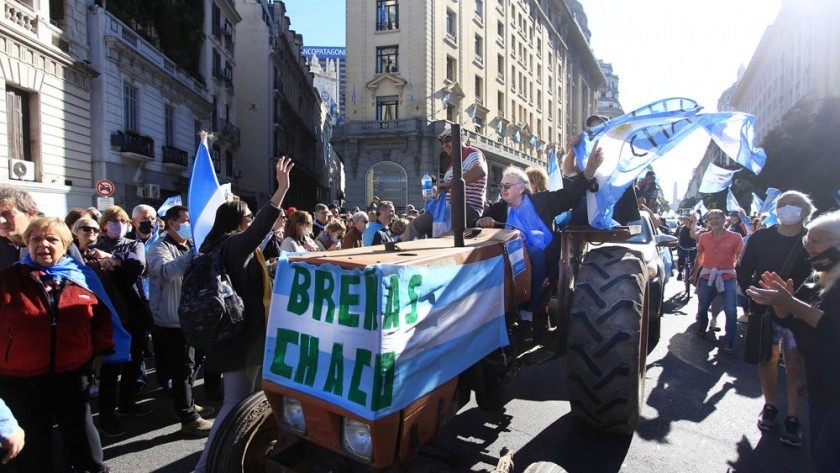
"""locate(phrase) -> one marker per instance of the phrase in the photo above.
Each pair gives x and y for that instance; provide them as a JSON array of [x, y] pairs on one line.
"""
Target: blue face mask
[[185, 231]]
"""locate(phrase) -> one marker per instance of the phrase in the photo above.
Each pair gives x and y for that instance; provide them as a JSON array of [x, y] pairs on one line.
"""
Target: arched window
[[388, 181]]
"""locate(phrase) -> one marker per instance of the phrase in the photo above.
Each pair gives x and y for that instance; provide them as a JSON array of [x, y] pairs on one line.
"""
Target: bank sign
[[324, 52], [373, 341]]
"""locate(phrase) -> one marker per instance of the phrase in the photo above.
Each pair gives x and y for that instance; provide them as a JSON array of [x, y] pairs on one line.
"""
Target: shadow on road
[[570, 444], [184, 464], [687, 388], [768, 451]]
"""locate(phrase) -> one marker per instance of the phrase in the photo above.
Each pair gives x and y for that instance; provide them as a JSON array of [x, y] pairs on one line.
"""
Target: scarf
[[72, 270], [526, 219]]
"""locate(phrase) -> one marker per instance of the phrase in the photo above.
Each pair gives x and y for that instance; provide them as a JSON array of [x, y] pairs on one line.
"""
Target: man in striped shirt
[[474, 172]]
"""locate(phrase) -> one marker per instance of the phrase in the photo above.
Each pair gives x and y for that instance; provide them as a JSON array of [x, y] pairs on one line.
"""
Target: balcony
[[134, 146], [175, 157], [228, 133], [388, 25]]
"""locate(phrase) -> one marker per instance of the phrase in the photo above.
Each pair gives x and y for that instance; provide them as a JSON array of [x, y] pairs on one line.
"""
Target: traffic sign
[[104, 187]]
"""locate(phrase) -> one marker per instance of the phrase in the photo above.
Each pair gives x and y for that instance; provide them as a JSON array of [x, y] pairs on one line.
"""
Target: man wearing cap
[[474, 173]]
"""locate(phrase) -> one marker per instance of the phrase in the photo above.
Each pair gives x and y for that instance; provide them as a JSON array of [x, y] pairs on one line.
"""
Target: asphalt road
[[699, 416]]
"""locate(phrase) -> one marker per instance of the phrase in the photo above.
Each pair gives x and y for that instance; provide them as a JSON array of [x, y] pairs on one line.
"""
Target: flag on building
[[204, 196], [533, 142], [411, 95], [716, 179]]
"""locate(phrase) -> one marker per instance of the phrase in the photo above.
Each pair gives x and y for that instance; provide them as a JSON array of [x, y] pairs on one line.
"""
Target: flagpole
[[458, 188]]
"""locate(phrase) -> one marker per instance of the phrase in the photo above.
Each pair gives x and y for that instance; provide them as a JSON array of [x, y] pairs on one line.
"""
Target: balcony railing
[[131, 142], [387, 25], [173, 155], [229, 132]]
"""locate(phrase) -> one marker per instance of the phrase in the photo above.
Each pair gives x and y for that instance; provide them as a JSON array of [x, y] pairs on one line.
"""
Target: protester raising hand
[[282, 168]]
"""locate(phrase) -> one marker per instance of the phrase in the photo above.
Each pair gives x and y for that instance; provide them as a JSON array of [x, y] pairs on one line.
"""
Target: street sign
[[103, 203], [104, 187]]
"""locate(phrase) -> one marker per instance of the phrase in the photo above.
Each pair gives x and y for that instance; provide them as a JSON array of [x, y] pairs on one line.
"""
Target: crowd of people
[[785, 278], [84, 296]]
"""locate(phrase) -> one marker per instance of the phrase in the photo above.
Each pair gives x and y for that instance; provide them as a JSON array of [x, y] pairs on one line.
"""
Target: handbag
[[758, 340]]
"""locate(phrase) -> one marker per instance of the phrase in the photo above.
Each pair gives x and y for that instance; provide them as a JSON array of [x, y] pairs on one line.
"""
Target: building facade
[[329, 57], [797, 59], [518, 75], [608, 104], [45, 134], [148, 111]]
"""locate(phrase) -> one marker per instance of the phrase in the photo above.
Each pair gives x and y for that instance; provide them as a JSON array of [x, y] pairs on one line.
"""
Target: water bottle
[[426, 184]]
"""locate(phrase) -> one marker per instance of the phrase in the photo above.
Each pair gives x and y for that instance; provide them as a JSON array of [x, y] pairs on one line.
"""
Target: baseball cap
[[593, 118]]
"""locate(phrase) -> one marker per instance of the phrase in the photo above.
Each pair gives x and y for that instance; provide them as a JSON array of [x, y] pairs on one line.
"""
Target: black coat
[[548, 204]]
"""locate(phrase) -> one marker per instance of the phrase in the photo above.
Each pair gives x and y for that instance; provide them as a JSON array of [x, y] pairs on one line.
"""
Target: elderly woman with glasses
[[85, 233], [813, 314], [356, 228], [533, 215]]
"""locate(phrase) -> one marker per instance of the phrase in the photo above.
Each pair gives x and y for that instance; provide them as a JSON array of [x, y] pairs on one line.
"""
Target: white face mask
[[789, 214]]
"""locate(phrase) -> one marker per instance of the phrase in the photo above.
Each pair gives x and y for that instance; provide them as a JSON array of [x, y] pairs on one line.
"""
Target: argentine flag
[[634, 140], [757, 203], [716, 179], [205, 195], [555, 177]]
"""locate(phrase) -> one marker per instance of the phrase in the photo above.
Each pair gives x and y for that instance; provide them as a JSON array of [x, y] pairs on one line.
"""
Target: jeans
[[538, 271], [825, 435], [128, 374], [238, 385], [40, 401], [172, 348], [705, 296]]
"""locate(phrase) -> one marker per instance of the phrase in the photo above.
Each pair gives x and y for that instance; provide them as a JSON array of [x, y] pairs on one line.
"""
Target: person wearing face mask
[[297, 231], [812, 312], [330, 238], [124, 260], [769, 249], [168, 260]]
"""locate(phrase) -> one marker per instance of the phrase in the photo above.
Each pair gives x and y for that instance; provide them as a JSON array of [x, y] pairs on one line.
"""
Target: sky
[[658, 49]]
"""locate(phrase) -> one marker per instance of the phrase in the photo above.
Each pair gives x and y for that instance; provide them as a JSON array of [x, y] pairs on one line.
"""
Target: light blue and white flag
[[533, 141], [837, 196], [204, 196], [633, 141], [700, 207], [373, 341], [555, 177], [168, 204], [732, 202], [757, 203], [500, 128], [445, 100], [770, 196], [353, 95], [716, 179], [441, 213], [411, 95], [517, 137], [735, 135]]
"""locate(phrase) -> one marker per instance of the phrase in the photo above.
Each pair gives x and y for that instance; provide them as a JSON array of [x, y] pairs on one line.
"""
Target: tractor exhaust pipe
[[459, 203]]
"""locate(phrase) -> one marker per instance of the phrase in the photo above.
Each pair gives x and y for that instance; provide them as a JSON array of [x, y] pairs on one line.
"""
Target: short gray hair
[[23, 201], [142, 208], [802, 201], [521, 175], [358, 215]]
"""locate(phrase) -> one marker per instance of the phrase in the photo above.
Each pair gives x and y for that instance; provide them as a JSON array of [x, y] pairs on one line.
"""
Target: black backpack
[[210, 311]]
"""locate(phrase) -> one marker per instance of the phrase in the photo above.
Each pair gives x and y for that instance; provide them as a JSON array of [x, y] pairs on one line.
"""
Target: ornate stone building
[[608, 104]]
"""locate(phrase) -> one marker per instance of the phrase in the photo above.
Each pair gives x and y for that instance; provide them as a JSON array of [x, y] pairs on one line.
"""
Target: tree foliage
[[803, 152]]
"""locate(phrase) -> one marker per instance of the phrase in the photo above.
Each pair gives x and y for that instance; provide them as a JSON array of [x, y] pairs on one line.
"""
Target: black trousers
[[37, 403], [171, 347], [128, 374]]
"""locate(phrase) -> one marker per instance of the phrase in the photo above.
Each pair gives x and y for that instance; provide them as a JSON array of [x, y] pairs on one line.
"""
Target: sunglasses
[[249, 216], [85, 228], [508, 185]]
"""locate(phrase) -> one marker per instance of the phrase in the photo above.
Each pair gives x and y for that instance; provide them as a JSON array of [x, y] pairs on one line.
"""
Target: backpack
[[210, 311]]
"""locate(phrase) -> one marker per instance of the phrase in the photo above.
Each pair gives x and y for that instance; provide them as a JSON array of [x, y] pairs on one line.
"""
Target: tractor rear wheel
[[607, 339], [246, 438]]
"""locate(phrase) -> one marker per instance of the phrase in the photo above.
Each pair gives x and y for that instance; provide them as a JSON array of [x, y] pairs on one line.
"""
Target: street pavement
[[699, 416]]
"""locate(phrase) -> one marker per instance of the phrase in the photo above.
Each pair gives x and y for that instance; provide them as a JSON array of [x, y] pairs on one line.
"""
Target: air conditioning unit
[[151, 191], [21, 170]]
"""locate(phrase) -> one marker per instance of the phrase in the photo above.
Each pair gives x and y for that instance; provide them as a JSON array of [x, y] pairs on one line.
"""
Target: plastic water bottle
[[426, 184]]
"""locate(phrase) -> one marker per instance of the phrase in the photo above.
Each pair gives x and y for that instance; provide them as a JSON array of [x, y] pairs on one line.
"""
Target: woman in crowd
[[238, 233], [813, 314], [330, 238], [59, 330], [124, 261], [537, 179], [85, 233], [533, 214], [297, 231]]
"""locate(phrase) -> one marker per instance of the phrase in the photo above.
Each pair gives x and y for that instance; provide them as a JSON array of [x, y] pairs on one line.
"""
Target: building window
[[500, 66], [386, 108], [19, 118], [450, 113], [169, 125], [451, 25], [129, 108], [500, 30], [451, 68], [479, 90], [479, 9], [388, 181], [229, 163], [387, 15], [217, 65], [500, 101], [479, 47], [386, 59]]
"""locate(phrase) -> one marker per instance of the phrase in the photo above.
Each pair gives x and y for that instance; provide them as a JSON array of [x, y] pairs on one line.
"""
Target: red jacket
[[83, 325]]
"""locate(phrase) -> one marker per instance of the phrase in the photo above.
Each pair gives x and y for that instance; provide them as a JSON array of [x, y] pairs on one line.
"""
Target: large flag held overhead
[[700, 207], [770, 197], [732, 202], [716, 179], [757, 203], [205, 195], [633, 141], [555, 177]]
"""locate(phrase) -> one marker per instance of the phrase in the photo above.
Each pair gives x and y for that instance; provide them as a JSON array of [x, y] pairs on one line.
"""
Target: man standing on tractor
[[475, 178]]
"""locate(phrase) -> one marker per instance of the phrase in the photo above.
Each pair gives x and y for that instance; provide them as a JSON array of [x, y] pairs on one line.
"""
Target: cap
[[592, 118], [734, 213], [332, 207]]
